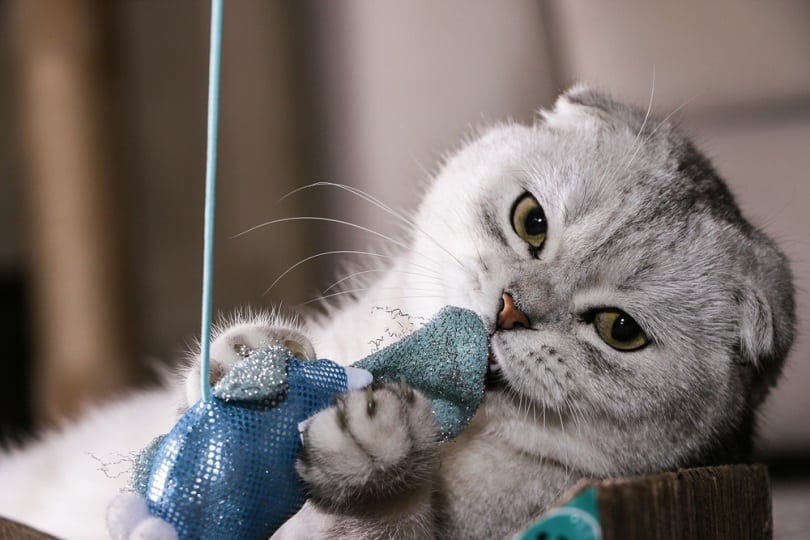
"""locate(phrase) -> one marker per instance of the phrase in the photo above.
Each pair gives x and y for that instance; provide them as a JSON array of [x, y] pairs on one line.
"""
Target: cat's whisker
[[435, 278], [378, 298], [562, 429], [323, 254], [638, 141], [435, 272], [673, 113], [407, 221], [349, 252], [357, 192], [339, 222], [409, 297], [610, 172], [544, 415], [350, 276], [317, 218], [421, 166], [379, 204], [441, 247], [573, 412], [576, 414], [358, 290]]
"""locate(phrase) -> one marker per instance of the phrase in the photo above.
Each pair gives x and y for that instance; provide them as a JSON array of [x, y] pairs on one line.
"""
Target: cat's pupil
[[624, 328], [535, 222]]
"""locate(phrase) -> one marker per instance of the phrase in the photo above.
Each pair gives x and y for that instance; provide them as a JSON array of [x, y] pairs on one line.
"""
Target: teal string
[[210, 194]]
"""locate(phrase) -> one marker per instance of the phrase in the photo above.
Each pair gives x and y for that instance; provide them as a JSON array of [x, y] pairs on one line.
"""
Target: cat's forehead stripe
[[492, 224]]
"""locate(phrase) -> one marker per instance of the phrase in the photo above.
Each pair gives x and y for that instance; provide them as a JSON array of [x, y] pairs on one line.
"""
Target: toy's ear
[[260, 376]]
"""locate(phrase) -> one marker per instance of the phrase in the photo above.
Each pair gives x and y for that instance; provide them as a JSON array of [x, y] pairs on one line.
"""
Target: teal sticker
[[578, 519]]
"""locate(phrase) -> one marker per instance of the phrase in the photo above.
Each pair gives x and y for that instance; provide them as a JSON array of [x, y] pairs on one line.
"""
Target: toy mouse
[[227, 468]]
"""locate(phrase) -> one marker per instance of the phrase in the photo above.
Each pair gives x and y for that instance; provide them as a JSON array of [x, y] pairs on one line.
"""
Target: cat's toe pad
[[371, 444], [237, 342]]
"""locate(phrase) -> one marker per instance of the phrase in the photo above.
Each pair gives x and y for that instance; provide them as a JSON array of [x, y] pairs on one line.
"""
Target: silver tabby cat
[[637, 321]]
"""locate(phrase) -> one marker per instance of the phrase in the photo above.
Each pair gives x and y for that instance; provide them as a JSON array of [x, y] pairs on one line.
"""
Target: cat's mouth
[[494, 379]]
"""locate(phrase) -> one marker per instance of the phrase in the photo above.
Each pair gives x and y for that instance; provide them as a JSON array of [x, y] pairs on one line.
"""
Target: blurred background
[[102, 139]]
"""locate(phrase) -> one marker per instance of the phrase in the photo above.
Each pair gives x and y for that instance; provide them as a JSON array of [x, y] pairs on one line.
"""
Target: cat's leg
[[371, 461], [232, 343]]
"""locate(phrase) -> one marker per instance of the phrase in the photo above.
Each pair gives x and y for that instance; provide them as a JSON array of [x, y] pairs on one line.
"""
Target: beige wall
[[407, 80]]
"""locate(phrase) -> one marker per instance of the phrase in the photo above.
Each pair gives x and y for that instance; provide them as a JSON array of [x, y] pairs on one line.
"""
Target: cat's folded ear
[[582, 104], [767, 317], [585, 95], [756, 327]]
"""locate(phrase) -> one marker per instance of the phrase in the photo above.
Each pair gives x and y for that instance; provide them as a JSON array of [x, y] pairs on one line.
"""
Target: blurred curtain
[[110, 115]]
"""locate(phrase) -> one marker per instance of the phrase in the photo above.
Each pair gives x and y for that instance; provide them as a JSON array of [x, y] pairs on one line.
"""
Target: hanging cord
[[210, 195]]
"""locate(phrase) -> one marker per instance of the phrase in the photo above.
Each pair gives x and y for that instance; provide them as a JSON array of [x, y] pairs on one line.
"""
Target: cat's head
[[658, 317]]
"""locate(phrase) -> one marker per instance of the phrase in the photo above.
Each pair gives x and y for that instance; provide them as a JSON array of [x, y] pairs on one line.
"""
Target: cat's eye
[[529, 220], [619, 330]]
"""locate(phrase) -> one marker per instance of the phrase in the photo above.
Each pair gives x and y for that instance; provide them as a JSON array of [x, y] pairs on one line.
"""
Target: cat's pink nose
[[510, 316]]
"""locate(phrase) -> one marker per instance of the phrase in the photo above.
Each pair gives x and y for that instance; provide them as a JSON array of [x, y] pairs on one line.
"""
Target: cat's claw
[[373, 445]]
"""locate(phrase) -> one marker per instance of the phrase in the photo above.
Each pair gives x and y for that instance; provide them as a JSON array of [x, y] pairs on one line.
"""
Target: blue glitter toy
[[226, 470]]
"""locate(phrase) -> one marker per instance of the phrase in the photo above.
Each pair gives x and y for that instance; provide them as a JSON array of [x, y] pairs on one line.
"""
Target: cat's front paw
[[235, 342], [374, 448]]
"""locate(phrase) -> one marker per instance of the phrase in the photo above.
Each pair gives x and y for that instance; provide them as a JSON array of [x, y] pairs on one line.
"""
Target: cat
[[637, 320]]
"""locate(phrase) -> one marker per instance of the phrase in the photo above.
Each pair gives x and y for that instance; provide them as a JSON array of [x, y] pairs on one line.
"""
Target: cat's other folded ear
[[585, 95], [767, 314], [582, 104]]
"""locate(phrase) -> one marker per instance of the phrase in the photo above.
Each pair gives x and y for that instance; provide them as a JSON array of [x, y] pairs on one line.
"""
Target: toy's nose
[[510, 316]]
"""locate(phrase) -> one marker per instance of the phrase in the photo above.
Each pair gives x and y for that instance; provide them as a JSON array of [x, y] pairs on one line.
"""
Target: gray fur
[[637, 220]]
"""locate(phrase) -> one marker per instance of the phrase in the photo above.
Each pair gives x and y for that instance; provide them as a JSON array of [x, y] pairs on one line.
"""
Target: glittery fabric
[[446, 359], [261, 375], [139, 481], [226, 470]]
